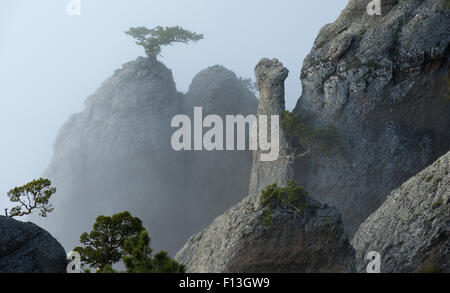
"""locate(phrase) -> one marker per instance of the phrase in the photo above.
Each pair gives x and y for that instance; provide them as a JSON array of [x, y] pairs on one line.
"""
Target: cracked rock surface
[[383, 82]]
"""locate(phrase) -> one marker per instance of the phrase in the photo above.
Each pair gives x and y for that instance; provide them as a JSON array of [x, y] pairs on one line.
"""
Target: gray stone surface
[[270, 77], [382, 81], [216, 180], [220, 92], [411, 229], [237, 241], [116, 155], [27, 248]]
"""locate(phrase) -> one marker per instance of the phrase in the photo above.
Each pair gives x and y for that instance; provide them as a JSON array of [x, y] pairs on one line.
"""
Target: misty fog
[[51, 62]]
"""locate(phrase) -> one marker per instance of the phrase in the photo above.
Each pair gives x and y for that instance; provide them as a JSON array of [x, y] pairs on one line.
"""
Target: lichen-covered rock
[[383, 82], [411, 229], [238, 241], [27, 248], [116, 155]]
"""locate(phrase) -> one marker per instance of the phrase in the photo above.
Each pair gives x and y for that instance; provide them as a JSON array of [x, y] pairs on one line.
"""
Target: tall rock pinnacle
[[270, 76]]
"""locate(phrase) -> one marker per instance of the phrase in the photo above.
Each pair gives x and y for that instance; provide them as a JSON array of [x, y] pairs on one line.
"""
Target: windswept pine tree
[[34, 195], [153, 39]]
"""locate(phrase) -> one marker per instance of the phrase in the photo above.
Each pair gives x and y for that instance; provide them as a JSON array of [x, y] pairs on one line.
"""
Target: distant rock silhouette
[[116, 155]]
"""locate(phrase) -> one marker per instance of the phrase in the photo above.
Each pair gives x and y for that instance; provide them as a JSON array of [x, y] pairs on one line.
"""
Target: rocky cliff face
[[238, 241], [116, 155], [26, 248], [411, 229], [382, 81]]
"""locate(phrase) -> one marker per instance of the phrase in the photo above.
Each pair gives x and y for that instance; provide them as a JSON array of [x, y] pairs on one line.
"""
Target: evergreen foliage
[[122, 237], [289, 198], [31, 196], [153, 39], [306, 139]]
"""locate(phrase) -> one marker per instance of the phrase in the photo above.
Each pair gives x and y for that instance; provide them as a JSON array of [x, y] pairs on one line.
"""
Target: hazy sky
[[50, 61]]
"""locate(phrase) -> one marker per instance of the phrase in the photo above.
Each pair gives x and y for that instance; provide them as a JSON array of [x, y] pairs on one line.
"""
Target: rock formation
[[216, 181], [238, 241], [382, 81], [219, 92], [116, 155], [26, 248], [270, 77], [411, 229]]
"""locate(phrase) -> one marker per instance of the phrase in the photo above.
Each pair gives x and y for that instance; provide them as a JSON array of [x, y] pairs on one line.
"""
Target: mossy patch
[[446, 3], [290, 198], [437, 204]]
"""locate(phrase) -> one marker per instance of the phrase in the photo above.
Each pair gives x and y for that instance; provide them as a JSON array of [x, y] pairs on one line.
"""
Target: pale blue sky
[[50, 62]]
